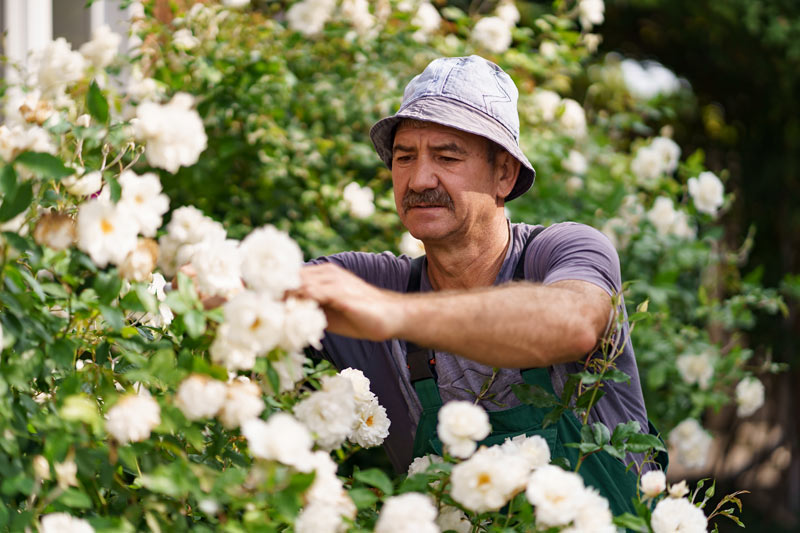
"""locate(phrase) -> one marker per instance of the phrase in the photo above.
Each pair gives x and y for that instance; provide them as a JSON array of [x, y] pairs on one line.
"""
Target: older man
[[453, 149]]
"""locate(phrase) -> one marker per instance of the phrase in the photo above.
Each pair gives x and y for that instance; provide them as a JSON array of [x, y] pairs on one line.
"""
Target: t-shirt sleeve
[[572, 251], [383, 270]]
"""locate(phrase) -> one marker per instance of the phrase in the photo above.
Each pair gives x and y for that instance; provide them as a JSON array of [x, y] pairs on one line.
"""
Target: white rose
[[427, 19], [546, 104], [647, 166], [593, 514], [556, 495], [696, 368], [488, 480], [669, 151], [575, 163], [573, 119], [133, 418], [691, 443], [372, 424], [507, 12], [493, 34], [649, 79], [460, 425], [56, 66], [533, 450], [678, 515], [218, 268], [106, 231], [749, 396], [143, 196], [662, 215], [707, 192], [271, 261], [653, 483], [411, 512], [281, 438], [86, 185], [329, 413], [591, 12], [103, 47], [65, 523], [200, 396], [309, 16], [183, 39]]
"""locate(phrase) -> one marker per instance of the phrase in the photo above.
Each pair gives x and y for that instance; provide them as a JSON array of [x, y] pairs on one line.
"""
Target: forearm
[[519, 325]]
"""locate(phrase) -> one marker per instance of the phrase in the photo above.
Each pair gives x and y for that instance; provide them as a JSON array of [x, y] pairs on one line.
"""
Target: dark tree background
[[742, 58]]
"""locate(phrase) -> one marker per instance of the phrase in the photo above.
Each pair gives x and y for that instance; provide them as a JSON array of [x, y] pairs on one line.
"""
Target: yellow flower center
[[106, 227]]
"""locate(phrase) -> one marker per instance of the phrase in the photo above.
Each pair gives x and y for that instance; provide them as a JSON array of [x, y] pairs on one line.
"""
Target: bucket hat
[[470, 94]]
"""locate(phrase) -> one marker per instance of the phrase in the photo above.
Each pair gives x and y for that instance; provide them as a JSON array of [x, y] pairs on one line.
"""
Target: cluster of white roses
[[675, 512], [655, 160], [648, 79], [544, 106], [133, 417], [200, 397], [696, 368], [359, 201], [494, 32], [749, 396], [310, 16], [344, 409]]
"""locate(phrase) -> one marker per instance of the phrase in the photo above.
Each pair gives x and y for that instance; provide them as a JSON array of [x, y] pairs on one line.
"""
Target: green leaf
[[600, 433], [632, 522], [97, 103], [16, 203], [640, 443], [8, 180], [195, 323], [113, 316], [586, 434], [363, 498], [45, 165], [375, 478], [589, 399], [533, 395], [617, 376], [623, 431], [107, 286], [614, 452], [115, 189], [75, 499], [62, 351], [552, 417]]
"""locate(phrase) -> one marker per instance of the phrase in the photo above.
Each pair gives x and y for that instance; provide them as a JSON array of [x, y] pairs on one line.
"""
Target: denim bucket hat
[[470, 94]]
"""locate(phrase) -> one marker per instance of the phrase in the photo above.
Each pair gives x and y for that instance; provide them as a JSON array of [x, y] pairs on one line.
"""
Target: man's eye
[[402, 158], [447, 159]]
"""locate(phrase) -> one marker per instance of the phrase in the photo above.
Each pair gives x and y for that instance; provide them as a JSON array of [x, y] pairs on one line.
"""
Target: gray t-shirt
[[564, 251]]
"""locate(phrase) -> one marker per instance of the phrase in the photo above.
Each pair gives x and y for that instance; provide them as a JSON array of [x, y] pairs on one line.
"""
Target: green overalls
[[600, 470]]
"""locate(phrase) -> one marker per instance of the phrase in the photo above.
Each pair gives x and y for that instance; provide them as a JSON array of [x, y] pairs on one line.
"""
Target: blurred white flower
[[309, 16], [575, 163], [678, 515], [649, 79], [696, 368], [228, 351], [187, 229], [749, 396], [548, 50], [427, 19], [707, 192], [507, 12], [593, 514], [546, 104], [411, 512], [271, 261], [358, 200], [140, 262], [254, 320], [55, 230], [106, 231], [691, 443], [493, 34], [662, 215], [411, 246], [140, 88], [487, 480], [17, 139], [591, 41], [26, 108], [41, 467], [218, 266], [86, 185], [103, 47], [420, 464], [460, 425], [591, 13], [669, 151], [647, 166], [678, 490], [556, 495], [533, 450], [143, 196], [66, 473], [653, 483], [281, 438], [200, 396], [173, 133], [330, 413], [56, 66], [304, 325], [453, 518], [572, 119], [357, 12], [235, 3], [65, 523], [183, 39], [132, 418], [242, 403], [681, 226], [573, 184], [319, 518]]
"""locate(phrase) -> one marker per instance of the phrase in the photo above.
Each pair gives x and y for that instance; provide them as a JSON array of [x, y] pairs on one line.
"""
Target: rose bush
[[127, 404]]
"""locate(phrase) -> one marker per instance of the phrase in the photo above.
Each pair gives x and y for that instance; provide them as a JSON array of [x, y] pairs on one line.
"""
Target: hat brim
[[461, 117]]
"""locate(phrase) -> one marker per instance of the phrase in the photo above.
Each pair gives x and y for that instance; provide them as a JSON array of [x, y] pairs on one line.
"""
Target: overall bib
[[600, 470]]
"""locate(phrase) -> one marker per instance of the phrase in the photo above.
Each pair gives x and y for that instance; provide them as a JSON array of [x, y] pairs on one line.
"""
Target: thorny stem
[[486, 386]]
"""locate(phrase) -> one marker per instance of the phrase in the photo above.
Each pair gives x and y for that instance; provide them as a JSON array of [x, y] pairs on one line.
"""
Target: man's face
[[444, 185]]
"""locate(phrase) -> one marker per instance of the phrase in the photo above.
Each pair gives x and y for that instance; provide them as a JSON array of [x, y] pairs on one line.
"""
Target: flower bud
[[41, 468], [139, 264]]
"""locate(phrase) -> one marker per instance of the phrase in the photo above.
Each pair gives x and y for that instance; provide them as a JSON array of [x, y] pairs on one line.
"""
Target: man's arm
[[517, 325]]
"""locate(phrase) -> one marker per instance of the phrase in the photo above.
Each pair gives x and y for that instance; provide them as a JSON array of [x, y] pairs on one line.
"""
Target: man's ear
[[506, 172]]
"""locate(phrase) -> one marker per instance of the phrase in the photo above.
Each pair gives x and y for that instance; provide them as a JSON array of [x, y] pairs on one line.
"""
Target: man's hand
[[353, 307]]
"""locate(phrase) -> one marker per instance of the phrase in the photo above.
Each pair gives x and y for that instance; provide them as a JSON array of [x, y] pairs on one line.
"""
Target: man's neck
[[474, 261]]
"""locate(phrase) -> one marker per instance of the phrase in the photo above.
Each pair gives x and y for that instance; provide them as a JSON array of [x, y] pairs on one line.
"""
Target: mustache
[[427, 198]]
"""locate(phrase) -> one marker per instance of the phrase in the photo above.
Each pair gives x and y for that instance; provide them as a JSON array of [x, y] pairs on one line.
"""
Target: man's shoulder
[[383, 269]]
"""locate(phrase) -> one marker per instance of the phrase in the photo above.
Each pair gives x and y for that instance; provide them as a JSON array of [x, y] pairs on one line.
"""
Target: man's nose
[[424, 176]]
